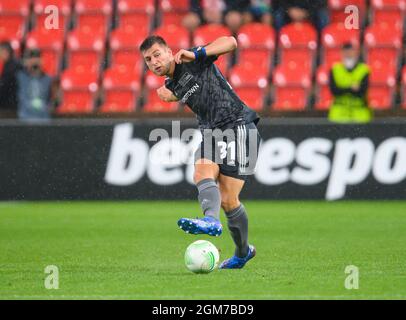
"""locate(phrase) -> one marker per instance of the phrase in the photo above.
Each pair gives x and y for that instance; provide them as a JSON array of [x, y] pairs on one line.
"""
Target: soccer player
[[221, 164]]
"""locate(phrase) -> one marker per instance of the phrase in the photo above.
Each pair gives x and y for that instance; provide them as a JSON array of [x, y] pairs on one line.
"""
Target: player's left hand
[[184, 56], [165, 94]]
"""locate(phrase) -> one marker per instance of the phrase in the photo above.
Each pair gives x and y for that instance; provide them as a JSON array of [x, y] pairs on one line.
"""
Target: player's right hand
[[184, 56]]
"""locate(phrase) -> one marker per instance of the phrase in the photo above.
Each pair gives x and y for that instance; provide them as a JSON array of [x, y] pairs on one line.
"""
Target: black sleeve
[[8, 81], [363, 88], [334, 89], [8, 76]]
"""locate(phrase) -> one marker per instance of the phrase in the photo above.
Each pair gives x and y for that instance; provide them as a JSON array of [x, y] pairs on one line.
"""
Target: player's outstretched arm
[[221, 46], [218, 47]]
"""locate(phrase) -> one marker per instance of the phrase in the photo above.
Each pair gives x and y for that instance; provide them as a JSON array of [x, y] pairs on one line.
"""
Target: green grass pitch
[[134, 250]]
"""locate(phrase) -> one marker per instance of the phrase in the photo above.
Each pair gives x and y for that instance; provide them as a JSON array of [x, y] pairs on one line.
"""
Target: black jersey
[[201, 86]]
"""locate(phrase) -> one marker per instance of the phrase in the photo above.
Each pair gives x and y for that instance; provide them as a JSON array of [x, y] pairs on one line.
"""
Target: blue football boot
[[206, 225], [238, 263]]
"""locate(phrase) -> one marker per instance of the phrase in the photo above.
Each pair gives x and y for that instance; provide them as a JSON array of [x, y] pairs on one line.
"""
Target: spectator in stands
[[349, 81], [34, 88], [233, 13], [287, 11], [261, 11], [8, 81]]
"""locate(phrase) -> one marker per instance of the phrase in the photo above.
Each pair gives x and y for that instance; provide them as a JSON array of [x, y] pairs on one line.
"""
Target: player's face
[[158, 59]]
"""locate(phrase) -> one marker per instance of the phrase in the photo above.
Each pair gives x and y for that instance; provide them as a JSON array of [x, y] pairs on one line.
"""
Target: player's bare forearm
[[218, 47], [221, 46]]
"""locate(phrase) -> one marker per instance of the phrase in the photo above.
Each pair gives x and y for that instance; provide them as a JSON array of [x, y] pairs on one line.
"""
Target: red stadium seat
[[46, 39], [250, 83], [79, 87], [121, 84], [262, 58], [338, 13], [324, 97], [256, 36], [292, 82], [12, 29], [208, 33], [383, 34], [380, 97], [170, 17], [248, 75], [304, 57], [382, 73], [154, 104], [290, 99], [152, 81], [85, 48], [139, 20], [336, 34], [403, 88], [95, 24], [383, 45], [64, 6], [174, 5], [15, 7], [118, 101], [331, 56], [130, 58], [122, 77], [176, 37], [93, 6], [298, 35], [143, 6], [90, 60], [298, 43], [173, 11], [124, 44], [292, 74], [127, 37], [388, 56], [383, 42], [51, 61], [76, 101], [79, 78], [252, 97], [388, 4], [391, 11], [256, 44]]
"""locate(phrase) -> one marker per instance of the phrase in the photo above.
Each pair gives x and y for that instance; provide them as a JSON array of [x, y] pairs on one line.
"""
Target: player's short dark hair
[[150, 41]]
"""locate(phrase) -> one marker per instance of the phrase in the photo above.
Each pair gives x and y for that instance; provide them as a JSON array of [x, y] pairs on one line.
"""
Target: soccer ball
[[201, 257]]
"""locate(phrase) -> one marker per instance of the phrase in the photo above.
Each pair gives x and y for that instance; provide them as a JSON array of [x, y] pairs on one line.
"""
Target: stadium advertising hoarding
[[298, 159]]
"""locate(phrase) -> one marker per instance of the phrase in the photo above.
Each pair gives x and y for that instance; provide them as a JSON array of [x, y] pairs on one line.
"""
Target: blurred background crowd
[[81, 57]]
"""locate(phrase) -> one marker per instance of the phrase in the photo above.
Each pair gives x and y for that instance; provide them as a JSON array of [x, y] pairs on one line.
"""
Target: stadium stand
[[95, 53]]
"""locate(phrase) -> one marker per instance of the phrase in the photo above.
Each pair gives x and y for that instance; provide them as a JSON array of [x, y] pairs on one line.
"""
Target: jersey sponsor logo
[[185, 79], [190, 92]]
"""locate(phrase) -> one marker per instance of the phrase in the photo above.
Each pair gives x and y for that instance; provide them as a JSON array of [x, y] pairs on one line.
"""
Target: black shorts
[[234, 150]]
